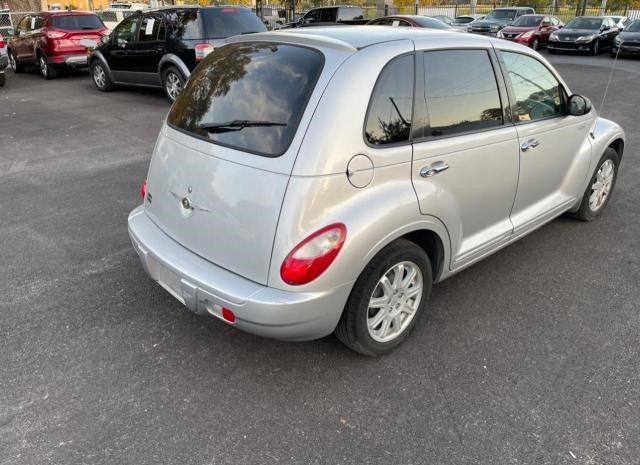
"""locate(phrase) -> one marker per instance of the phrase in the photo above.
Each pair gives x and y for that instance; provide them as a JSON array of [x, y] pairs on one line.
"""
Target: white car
[[4, 60], [116, 12]]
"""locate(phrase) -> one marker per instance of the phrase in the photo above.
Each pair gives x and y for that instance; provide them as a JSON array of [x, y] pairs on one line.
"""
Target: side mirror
[[579, 105]]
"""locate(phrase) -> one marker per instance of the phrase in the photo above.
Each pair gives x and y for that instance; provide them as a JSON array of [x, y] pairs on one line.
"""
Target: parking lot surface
[[531, 356]]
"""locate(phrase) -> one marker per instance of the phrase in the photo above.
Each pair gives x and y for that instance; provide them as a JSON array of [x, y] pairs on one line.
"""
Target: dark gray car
[[498, 19]]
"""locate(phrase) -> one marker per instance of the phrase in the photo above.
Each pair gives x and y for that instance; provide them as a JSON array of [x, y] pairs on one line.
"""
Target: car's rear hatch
[[74, 33], [222, 163]]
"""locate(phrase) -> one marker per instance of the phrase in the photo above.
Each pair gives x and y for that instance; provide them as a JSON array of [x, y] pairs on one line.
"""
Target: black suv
[[497, 20], [160, 47]]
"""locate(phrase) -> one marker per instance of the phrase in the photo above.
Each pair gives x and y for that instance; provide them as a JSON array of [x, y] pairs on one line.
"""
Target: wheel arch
[[618, 146], [173, 60], [97, 55]]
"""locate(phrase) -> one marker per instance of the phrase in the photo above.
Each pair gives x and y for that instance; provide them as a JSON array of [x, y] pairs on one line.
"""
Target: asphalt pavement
[[530, 357]]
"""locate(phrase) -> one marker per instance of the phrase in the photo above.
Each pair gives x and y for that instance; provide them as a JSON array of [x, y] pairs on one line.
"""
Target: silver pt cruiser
[[322, 180]]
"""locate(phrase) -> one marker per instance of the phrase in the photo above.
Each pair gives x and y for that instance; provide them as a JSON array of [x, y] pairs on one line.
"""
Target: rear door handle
[[433, 169], [529, 145]]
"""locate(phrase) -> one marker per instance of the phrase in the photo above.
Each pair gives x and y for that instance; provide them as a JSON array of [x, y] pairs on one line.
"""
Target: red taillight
[[55, 34], [312, 257], [1, 41], [143, 190], [228, 315], [202, 50]]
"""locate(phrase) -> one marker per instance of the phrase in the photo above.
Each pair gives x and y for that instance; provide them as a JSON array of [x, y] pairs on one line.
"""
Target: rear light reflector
[[1, 41], [202, 50], [314, 255], [143, 190], [228, 315]]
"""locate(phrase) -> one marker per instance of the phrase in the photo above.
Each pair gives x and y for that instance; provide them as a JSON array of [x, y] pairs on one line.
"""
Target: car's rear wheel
[[387, 299], [2, 78], [15, 65], [100, 77], [47, 71], [172, 82], [598, 192]]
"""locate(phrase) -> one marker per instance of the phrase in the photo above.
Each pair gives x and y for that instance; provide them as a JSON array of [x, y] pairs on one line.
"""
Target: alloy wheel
[[601, 188], [12, 61], [394, 302], [173, 86], [44, 68], [99, 76], [535, 44]]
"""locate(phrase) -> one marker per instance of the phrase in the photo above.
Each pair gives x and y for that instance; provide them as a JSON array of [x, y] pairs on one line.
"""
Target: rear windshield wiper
[[236, 125]]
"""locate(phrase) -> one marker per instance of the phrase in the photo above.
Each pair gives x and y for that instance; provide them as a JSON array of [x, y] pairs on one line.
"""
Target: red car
[[53, 40], [531, 30]]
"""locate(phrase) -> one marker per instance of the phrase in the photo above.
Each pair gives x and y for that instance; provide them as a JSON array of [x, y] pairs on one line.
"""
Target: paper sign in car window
[[149, 29], [395, 23]]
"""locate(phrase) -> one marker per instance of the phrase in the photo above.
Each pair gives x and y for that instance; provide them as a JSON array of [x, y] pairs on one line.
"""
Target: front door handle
[[433, 169], [529, 145]]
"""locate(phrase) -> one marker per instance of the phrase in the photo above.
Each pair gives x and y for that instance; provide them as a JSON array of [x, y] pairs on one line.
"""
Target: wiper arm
[[236, 125]]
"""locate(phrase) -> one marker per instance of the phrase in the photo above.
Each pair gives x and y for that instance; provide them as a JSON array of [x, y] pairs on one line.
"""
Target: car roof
[[353, 37], [63, 13]]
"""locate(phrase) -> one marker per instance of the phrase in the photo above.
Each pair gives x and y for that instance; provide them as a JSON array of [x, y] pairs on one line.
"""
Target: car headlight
[[553, 36], [586, 38], [469, 29], [500, 35], [617, 40], [526, 35], [495, 28]]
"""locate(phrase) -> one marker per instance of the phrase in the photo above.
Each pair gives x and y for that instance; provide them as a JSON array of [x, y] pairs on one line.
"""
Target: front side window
[[461, 92], [537, 92], [23, 26], [389, 116], [126, 31], [237, 96]]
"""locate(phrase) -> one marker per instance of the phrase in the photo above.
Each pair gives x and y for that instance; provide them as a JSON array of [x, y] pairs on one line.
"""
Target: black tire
[[352, 328], [2, 78], [47, 71], [585, 212], [171, 76], [100, 77], [535, 45], [595, 48], [15, 65]]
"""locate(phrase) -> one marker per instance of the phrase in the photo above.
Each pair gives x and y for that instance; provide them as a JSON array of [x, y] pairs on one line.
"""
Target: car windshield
[[501, 15], [239, 97], [431, 23], [633, 27], [462, 20], [527, 21], [584, 23], [77, 22]]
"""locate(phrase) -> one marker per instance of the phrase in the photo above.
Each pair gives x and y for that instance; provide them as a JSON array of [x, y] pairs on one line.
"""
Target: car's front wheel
[[15, 65], [600, 187], [387, 299], [172, 82], [595, 48], [100, 77], [535, 44]]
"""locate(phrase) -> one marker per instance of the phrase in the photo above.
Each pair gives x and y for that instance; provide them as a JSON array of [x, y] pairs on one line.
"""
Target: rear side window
[[151, 29], [77, 22], [461, 92], [389, 117], [186, 25], [237, 97], [227, 22]]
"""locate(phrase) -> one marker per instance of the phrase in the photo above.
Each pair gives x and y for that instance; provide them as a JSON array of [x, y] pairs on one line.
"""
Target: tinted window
[[126, 31], [238, 96], [24, 24], [461, 92], [634, 27], [389, 116], [501, 15], [151, 29], [227, 22], [186, 25], [538, 93], [77, 22], [327, 15]]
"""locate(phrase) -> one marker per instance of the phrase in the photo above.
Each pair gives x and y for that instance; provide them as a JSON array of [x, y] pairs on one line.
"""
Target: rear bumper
[[205, 288], [73, 60]]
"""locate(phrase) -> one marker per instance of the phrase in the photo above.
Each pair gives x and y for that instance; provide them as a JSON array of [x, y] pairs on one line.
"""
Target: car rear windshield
[[584, 23], [227, 22], [249, 96], [77, 22], [527, 21]]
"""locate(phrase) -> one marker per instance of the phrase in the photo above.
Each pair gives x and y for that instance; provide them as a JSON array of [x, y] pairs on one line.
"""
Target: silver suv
[[322, 180]]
